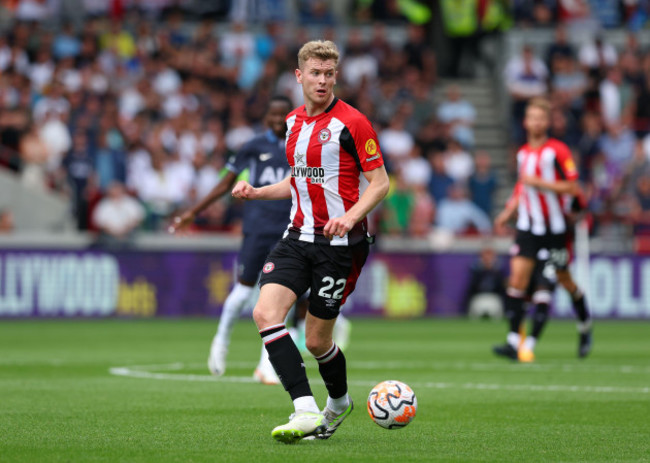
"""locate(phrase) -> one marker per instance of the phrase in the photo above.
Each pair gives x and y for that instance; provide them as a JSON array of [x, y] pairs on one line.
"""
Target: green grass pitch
[[139, 391]]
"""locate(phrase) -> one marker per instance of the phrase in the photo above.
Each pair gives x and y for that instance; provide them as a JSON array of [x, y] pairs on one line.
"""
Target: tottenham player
[[337, 178], [547, 182], [264, 224]]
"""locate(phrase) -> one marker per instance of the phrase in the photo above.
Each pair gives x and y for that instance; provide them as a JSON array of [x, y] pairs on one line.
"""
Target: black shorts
[[252, 255], [544, 277], [330, 272], [529, 245]]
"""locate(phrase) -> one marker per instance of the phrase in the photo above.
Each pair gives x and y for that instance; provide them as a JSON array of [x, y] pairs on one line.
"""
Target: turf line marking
[[142, 373], [441, 366]]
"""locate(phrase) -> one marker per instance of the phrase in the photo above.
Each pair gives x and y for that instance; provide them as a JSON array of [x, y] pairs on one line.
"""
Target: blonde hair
[[541, 103], [319, 49]]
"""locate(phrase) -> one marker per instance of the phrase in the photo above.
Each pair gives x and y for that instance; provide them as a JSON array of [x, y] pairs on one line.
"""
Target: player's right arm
[[509, 211], [217, 192], [280, 190]]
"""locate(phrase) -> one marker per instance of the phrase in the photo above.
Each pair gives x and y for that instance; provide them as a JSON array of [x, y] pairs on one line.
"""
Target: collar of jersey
[[329, 108], [271, 136]]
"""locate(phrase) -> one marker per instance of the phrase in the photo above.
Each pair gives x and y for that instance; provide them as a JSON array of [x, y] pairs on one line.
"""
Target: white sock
[[584, 327], [338, 405], [529, 343], [513, 339], [306, 404], [233, 306], [265, 363]]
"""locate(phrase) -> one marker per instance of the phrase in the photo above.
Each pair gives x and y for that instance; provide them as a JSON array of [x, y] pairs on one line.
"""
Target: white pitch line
[[138, 372], [459, 366], [586, 367]]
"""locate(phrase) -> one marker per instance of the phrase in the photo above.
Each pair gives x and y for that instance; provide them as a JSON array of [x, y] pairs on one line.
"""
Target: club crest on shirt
[[324, 135], [268, 267], [371, 146]]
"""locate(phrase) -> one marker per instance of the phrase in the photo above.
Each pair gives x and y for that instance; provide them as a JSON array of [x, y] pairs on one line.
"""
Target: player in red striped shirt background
[[337, 178], [547, 183]]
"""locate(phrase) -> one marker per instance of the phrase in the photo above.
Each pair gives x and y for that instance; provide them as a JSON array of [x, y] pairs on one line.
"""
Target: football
[[392, 404]]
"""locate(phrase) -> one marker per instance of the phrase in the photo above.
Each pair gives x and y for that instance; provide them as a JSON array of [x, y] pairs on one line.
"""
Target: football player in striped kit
[[547, 184], [337, 177]]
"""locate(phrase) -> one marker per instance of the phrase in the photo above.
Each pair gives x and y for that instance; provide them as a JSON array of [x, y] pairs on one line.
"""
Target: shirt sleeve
[[564, 165], [360, 140], [238, 162]]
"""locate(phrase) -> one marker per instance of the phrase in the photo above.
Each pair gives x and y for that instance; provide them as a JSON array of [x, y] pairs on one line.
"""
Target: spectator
[[459, 114], [415, 170], [617, 144], [423, 212], [66, 44], [525, 77], [457, 214], [460, 21], [569, 83], [110, 163], [117, 216], [79, 167], [397, 208], [440, 182], [560, 47], [459, 164], [588, 144], [359, 63], [6, 222], [55, 134], [33, 154], [395, 141], [486, 278], [483, 183], [161, 188], [641, 206], [596, 56], [615, 97]]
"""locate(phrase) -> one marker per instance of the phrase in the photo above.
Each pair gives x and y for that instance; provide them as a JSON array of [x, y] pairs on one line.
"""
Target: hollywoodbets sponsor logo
[[315, 174]]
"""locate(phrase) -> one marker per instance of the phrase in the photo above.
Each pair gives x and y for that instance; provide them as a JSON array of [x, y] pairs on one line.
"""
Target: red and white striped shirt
[[328, 154], [542, 211]]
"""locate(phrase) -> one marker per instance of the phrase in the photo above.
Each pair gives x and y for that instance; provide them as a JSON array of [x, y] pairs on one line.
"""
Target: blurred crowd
[[149, 109], [600, 108], [133, 112], [632, 14]]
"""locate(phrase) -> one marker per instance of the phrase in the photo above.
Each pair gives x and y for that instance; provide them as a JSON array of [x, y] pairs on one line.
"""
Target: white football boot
[[217, 359], [300, 425]]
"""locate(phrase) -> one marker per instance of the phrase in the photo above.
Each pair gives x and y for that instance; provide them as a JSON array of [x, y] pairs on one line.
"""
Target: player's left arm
[[557, 186], [377, 190]]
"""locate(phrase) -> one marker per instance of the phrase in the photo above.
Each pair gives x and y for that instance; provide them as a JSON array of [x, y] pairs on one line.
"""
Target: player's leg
[[232, 307], [250, 260], [543, 281], [521, 268], [334, 279], [342, 330], [269, 314], [541, 301], [264, 372], [284, 276], [581, 310]]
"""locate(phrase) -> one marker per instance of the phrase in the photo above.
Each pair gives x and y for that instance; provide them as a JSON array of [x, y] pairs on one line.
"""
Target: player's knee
[[518, 282], [261, 317], [317, 346]]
